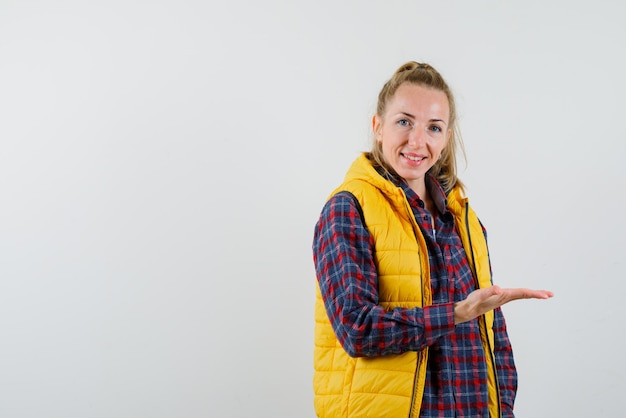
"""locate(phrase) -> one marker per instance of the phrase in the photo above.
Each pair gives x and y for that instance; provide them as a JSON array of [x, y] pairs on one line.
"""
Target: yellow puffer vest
[[393, 385]]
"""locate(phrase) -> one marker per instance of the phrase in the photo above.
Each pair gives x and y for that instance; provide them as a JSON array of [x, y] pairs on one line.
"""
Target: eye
[[436, 128], [403, 122]]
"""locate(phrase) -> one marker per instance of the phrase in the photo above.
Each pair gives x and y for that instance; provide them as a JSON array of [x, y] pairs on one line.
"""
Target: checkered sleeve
[[348, 281]]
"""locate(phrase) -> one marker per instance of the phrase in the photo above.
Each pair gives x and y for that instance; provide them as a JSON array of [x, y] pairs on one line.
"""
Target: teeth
[[412, 158]]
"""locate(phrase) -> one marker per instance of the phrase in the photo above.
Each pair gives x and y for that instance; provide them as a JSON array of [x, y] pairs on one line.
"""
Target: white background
[[163, 163]]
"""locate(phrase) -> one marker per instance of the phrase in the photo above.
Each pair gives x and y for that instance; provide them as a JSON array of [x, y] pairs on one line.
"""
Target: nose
[[417, 137]]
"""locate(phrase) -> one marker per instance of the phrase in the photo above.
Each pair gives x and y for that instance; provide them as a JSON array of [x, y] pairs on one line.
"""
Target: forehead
[[415, 98]]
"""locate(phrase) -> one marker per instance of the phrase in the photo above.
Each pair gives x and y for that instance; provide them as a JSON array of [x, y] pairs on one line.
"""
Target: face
[[413, 131]]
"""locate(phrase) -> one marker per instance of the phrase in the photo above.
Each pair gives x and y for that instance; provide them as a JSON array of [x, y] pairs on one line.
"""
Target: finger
[[524, 293], [544, 294]]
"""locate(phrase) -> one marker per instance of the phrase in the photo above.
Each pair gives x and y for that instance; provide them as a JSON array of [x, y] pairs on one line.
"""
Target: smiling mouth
[[413, 157]]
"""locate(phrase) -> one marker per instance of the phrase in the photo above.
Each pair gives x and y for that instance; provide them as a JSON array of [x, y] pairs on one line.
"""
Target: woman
[[408, 323]]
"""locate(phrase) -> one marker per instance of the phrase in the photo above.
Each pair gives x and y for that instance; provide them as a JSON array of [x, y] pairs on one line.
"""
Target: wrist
[[459, 313]]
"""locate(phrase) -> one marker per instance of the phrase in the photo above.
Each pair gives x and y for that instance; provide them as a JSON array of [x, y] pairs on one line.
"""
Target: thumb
[[495, 290]]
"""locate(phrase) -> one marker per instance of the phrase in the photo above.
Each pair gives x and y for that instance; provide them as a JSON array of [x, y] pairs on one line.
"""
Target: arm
[[347, 276]]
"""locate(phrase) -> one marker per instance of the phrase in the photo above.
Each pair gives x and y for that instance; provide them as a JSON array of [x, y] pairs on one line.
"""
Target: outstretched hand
[[481, 301]]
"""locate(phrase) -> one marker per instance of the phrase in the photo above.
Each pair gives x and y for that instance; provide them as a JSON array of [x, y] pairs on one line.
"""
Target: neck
[[419, 187], [430, 204]]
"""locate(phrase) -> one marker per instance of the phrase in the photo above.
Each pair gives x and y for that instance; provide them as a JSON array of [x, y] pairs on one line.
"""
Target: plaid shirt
[[456, 377]]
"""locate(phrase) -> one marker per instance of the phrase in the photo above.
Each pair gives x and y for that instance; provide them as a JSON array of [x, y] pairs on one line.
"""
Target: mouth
[[414, 158]]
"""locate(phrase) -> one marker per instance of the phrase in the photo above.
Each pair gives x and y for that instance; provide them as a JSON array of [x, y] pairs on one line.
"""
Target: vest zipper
[[416, 230], [482, 321]]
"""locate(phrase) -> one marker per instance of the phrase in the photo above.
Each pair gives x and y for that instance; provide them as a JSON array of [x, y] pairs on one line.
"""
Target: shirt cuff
[[438, 321]]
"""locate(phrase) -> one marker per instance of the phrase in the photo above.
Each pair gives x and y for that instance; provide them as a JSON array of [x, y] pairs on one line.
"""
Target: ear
[[448, 136], [376, 125]]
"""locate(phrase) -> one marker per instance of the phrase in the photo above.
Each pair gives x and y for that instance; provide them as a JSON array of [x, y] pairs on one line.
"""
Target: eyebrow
[[431, 120]]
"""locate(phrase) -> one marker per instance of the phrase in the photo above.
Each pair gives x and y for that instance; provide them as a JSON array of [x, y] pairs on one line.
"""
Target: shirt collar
[[437, 194]]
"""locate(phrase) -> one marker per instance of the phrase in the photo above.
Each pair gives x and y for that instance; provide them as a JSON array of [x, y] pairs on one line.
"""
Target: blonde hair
[[421, 74]]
